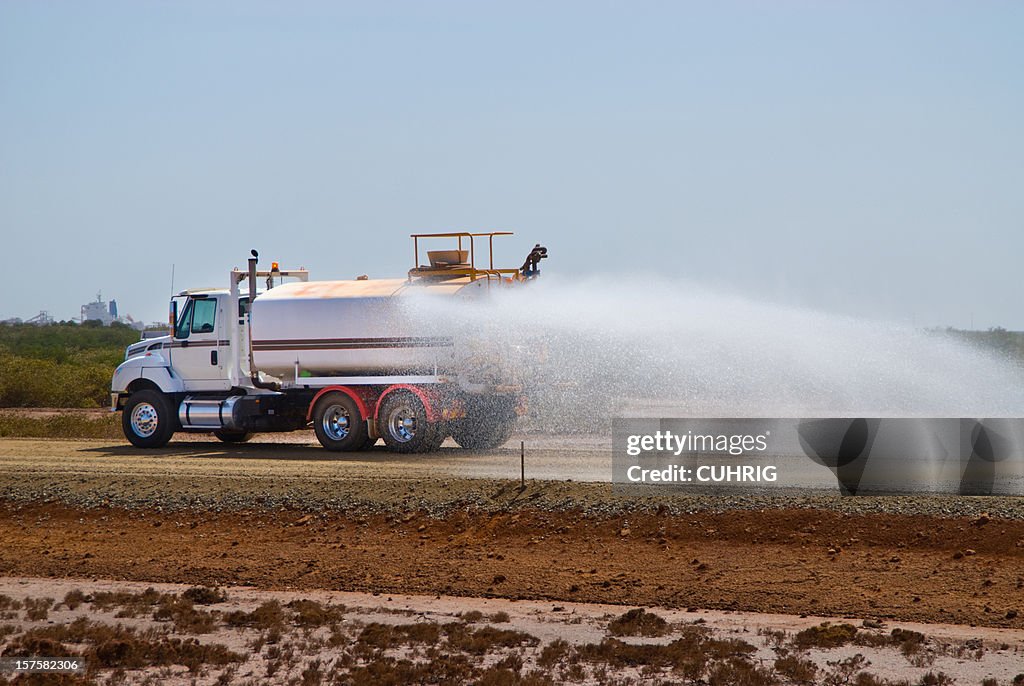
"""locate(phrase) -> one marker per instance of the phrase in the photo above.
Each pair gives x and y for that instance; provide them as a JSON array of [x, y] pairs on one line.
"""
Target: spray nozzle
[[530, 267]]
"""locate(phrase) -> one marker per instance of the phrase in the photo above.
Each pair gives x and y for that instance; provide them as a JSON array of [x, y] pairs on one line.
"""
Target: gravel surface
[[295, 475]]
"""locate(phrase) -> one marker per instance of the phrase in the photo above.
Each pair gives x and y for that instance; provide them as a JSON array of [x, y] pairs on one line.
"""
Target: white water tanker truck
[[343, 356]]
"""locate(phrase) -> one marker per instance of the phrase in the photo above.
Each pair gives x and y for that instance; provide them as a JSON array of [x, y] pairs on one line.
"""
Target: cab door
[[198, 351]]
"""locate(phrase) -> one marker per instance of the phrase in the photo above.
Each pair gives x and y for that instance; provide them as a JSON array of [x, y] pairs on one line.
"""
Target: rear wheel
[[338, 424], [487, 426], [148, 419], [476, 434], [402, 423], [233, 436]]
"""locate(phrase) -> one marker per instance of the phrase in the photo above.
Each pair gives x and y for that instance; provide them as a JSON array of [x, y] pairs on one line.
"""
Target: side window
[[204, 311], [243, 307], [184, 321]]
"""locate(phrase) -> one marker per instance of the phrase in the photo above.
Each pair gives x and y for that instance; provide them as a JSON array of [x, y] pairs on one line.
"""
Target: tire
[[440, 432], [233, 436], [474, 434], [487, 426], [402, 423], [338, 424], [148, 419]]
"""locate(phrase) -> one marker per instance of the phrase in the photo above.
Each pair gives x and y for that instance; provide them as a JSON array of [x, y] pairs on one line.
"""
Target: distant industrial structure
[[41, 319], [106, 313], [98, 311]]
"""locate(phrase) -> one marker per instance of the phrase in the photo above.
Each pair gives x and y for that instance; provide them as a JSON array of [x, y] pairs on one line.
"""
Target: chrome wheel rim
[[402, 424], [144, 420], [337, 423]]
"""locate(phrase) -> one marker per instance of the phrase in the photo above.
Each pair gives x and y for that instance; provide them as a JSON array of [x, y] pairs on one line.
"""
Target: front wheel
[[402, 423], [148, 419], [338, 424]]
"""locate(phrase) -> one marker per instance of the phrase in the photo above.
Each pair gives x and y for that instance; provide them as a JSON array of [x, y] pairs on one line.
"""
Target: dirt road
[[579, 457], [298, 454]]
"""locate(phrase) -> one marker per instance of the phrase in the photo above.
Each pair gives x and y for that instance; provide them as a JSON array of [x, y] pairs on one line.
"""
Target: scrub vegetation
[[63, 365], [15, 424], [152, 637]]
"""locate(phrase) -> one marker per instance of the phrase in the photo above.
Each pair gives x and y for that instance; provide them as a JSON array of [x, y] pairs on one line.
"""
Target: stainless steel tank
[[345, 328]]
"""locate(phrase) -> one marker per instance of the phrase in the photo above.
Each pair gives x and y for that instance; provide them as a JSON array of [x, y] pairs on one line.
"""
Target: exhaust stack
[[254, 374], [252, 275]]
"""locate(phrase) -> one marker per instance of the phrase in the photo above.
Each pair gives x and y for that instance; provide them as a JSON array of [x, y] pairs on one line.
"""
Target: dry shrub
[[498, 676], [128, 604], [513, 661], [483, 640], [825, 635], [269, 615], [775, 638], [842, 672], [908, 641], [940, 679], [797, 669], [638, 622], [8, 603], [72, 599], [133, 653], [187, 619], [43, 679], [690, 656], [309, 613], [204, 595], [387, 671], [384, 636], [31, 644], [37, 609], [112, 647], [337, 637], [312, 675], [738, 672], [553, 653]]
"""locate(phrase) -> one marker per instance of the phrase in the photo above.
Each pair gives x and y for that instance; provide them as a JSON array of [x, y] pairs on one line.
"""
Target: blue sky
[[861, 158]]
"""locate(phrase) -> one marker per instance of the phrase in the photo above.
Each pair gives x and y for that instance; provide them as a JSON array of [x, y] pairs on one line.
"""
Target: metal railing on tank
[[450, 264]]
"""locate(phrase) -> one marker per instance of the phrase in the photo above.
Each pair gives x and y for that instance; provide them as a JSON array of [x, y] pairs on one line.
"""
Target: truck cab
[[200, 346]]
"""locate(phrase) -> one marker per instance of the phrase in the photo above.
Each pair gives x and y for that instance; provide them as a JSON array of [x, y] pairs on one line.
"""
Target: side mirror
[[174, 318]]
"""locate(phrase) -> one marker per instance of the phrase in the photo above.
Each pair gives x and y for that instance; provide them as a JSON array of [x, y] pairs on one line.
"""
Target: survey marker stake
[[522, 464]]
